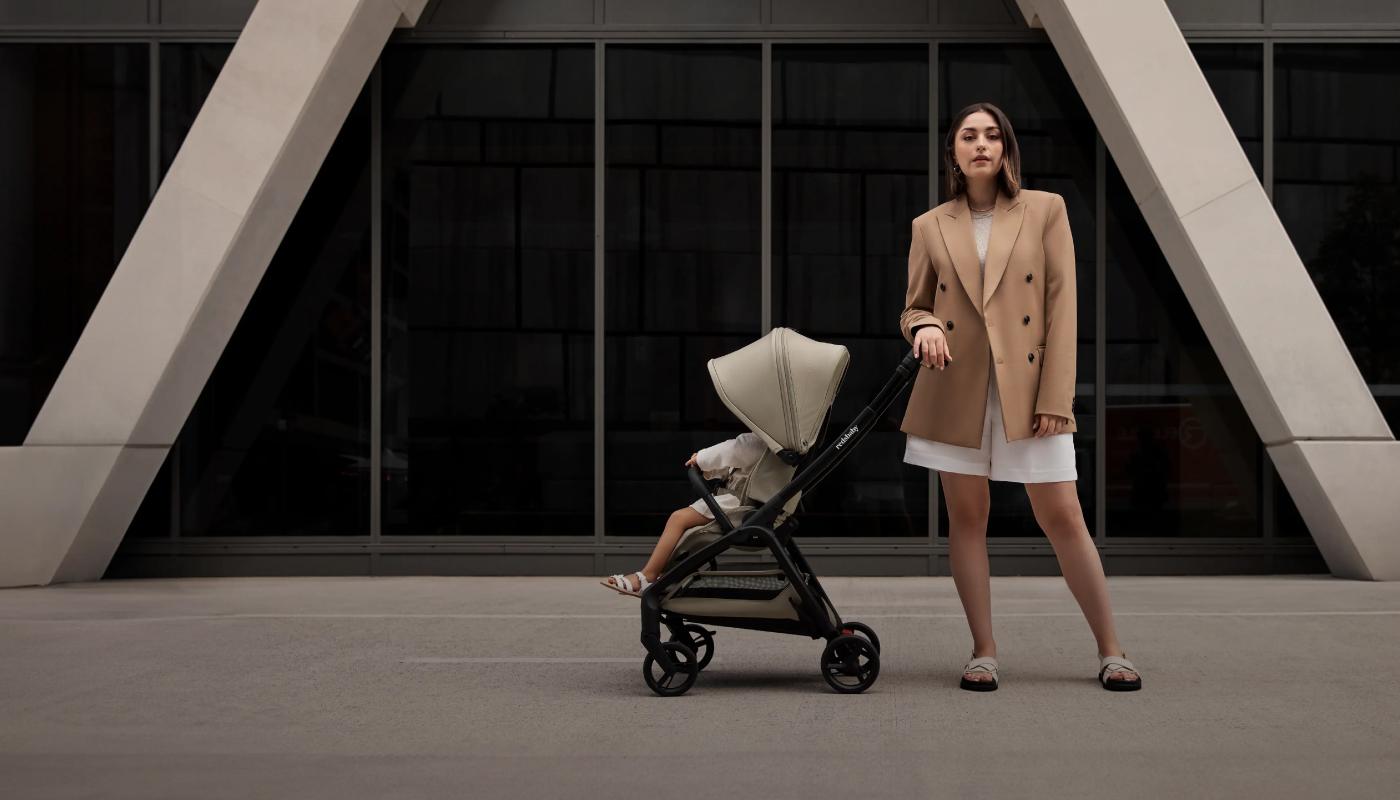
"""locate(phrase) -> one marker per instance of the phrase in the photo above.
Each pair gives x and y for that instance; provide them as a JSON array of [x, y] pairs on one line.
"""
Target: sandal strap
[[1115, 664], [983, 664], [622, 582]]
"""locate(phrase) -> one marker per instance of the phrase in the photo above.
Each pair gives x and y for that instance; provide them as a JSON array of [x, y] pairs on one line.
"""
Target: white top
[[722, 460], [982, 231]]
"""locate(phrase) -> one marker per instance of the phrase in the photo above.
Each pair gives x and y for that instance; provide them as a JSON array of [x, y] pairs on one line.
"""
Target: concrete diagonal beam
[[69, 492], [1238, 269]]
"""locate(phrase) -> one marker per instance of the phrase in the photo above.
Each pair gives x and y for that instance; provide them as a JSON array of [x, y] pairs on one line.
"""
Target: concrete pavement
[[531, 687]]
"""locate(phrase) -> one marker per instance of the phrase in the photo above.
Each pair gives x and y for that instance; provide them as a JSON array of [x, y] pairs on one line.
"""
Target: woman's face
[[977, 146]]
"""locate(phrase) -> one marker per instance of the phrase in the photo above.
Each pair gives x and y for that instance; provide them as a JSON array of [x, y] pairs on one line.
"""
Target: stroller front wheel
[[850, 664], [676, 682]]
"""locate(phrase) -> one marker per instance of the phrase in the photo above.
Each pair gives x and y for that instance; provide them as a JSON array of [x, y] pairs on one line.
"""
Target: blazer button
[[1026, 320], [1031, 356], [949, 323], [1028, 277]]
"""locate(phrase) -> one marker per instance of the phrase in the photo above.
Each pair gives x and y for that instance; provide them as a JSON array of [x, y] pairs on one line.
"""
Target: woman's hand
[[1048, 425], [931, 347], [691, 462]]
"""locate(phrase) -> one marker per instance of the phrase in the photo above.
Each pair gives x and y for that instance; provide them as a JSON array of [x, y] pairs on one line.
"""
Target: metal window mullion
[[153, 184], [376, 312], [599, 320], [1100, 340], [766, 201], [934, 497]]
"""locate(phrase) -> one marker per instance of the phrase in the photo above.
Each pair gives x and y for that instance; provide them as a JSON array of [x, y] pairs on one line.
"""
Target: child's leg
[[681, 521]]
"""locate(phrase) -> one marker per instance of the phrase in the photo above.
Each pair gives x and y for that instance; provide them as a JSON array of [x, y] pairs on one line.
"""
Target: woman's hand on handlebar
[[931, 347], [691, 462]]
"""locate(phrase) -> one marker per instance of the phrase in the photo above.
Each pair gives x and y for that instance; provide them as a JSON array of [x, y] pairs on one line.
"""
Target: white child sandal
[[985, 664], [622, 585]]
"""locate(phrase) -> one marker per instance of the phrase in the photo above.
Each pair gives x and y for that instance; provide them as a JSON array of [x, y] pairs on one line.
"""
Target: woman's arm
[[918, 298], [1057, 372]]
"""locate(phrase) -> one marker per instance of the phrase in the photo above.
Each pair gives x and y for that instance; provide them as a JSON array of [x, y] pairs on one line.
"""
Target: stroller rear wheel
[[861, 629], [700, 640], [850, 664], [677, 681]]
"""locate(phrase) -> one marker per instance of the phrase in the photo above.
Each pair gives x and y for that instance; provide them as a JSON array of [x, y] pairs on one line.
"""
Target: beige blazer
[[1020, 323]]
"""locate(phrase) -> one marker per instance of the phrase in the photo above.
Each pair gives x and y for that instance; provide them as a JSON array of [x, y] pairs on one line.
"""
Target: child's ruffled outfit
[[734, 461]]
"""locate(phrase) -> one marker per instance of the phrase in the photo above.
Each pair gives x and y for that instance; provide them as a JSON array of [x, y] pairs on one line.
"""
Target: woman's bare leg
[[969, 504], [1057, 510]]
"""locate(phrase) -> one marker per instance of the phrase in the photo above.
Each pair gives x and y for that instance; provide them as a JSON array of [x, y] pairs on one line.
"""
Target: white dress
[[731, 460], [1022, 461]]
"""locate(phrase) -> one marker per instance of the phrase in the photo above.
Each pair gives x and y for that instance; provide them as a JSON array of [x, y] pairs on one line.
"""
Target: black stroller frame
[[850, 663]]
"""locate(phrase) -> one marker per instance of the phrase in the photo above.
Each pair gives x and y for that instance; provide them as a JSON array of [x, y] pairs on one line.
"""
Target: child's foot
[[633, 584]]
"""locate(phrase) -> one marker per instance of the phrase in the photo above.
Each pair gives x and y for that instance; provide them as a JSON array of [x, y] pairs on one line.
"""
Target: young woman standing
[[991, 313]]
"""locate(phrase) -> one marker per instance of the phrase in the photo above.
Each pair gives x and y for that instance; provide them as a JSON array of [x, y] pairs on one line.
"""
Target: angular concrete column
[[1238, 269], [68, 494]]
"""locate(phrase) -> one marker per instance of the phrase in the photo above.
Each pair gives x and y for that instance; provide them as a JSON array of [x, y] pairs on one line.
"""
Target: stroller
[[781, 387]]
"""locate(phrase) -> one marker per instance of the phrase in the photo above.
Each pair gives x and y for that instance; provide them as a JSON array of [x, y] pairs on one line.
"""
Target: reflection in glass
[[683, 269], [1337, 192], [278, 442], [74, 126], [850, 171], [1057, 139], [488, 285], [1182, 458]]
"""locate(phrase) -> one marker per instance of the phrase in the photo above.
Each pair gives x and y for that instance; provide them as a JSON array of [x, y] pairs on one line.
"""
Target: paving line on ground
[[911, 615], [516, 660]]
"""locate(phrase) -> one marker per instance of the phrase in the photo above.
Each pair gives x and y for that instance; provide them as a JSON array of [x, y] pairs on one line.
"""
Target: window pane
[[1057, 138], [1183, 458], [1337, 193], [74, 128], [488, 282], [683, 270], [850, 171], [278, 442]]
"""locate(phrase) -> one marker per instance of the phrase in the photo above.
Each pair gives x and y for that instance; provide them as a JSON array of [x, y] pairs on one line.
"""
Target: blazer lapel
[[956, 227], [1007, 217]]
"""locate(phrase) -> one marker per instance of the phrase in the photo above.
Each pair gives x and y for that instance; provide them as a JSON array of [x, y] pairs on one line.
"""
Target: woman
[[990, 311]]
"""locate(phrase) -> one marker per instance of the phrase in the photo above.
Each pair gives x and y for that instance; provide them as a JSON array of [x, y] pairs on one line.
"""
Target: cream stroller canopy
[[781, 386]]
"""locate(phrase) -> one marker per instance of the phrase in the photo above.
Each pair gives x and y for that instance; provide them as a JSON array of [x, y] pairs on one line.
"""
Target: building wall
[[442, 291]]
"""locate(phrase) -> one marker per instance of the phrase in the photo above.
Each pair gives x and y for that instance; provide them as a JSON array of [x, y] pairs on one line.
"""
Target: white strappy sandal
[[1121, 663], [622, 585], [985, 664]]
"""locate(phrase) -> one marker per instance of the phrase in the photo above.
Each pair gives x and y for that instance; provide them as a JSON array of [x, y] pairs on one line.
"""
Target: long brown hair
[[1008, 178]]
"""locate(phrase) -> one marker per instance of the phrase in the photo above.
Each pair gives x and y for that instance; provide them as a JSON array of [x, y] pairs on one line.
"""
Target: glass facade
[[74, 133], [850, 170], [488, 291], [528, 388], [682, 273]]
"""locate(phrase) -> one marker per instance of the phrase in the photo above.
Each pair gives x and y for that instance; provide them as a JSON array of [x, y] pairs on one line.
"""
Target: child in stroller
[[731, 460]]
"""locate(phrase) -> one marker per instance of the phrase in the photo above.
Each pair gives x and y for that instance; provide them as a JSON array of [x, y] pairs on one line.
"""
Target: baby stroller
[[781, 387]]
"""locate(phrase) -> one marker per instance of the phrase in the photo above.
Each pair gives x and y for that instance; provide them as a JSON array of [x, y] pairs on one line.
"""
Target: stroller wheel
[[861, 629], [676, 682], [701, 641], [850, 664]]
